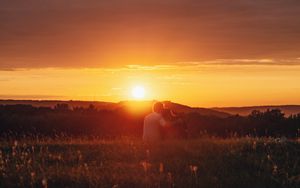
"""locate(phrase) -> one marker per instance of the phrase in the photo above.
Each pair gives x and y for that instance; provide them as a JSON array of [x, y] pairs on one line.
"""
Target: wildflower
[[275, 169], [79, 155], [59, 157], [194, 169], [161, 167], [44, 183], [254, 145], [32, 174], [146, 166], [15, 143], [86, 166]]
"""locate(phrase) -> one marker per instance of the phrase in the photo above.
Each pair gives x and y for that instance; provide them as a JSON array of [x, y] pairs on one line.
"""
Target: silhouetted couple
[[157, 124]]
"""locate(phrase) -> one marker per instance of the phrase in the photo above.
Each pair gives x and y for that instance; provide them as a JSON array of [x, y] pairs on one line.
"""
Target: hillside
[[135, 106], [244, 111], [146, 106], [52, 103]]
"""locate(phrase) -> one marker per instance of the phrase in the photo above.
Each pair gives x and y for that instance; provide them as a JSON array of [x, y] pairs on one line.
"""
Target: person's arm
[[164, 123]]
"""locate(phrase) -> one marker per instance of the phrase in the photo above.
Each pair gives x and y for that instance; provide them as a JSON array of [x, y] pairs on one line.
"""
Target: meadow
[[128, 162]]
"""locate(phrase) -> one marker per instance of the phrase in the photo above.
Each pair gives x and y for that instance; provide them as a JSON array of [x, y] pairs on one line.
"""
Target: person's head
[[158, 107]]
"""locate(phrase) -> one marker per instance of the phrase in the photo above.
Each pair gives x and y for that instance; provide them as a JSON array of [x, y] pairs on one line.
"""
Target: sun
[[138, 92]]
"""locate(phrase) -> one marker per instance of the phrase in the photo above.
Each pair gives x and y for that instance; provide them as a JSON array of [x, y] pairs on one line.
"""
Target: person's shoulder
[[153, 115], [149, 115]]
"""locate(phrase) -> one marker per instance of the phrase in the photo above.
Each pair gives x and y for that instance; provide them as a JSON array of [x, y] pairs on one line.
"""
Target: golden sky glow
[[200, 53], [195, 84]]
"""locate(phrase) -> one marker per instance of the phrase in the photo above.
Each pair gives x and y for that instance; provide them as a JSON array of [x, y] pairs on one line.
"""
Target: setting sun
[[138, 92]]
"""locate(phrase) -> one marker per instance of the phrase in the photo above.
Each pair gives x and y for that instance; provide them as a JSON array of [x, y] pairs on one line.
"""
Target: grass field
[[127, 162]]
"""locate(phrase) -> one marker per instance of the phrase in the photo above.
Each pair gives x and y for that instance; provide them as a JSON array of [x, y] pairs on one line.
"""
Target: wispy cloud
[[192, 65], [151, 67], [29, 97], [4, 79], [7, 69], [241, 62]]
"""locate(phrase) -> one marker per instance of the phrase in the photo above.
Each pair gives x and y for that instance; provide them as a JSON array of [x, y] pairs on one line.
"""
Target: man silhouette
[[153, 124]]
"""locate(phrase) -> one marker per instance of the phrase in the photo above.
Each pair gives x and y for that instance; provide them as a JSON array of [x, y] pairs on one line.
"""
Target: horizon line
[[100, 101]]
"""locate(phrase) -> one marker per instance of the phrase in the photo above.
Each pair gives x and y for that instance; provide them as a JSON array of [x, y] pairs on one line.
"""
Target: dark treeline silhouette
[[26, 119]]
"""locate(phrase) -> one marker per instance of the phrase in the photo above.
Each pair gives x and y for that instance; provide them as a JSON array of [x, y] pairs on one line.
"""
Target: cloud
[[4, 79], [100, 33], [241, 62], [150, 68], [7, 69], [29, 97]]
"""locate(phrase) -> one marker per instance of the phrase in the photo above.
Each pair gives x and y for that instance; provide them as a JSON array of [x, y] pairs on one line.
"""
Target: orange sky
[[201, 53], [197, 84]]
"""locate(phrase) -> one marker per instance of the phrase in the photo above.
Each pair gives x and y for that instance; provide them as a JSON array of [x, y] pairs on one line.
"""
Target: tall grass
[[128, 162]]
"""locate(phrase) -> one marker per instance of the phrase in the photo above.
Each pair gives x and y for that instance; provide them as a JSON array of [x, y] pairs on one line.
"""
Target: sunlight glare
[[138, 92]]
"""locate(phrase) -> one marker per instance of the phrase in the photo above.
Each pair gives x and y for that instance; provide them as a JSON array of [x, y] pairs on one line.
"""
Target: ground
[[128, 162]]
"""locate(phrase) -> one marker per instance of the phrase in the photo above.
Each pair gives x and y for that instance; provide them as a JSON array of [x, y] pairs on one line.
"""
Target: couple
[[156, 124]]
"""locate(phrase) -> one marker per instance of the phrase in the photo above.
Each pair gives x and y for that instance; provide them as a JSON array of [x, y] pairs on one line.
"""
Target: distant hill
[[143, 106], [244, 111], [203, 111], [52, 103], [146, 106], [134, 106]]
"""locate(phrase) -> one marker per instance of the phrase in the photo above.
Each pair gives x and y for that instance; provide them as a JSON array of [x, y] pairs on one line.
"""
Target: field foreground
[[127, 162]]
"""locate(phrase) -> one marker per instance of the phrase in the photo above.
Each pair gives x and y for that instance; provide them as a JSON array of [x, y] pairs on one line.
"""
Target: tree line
[[50, 121]]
